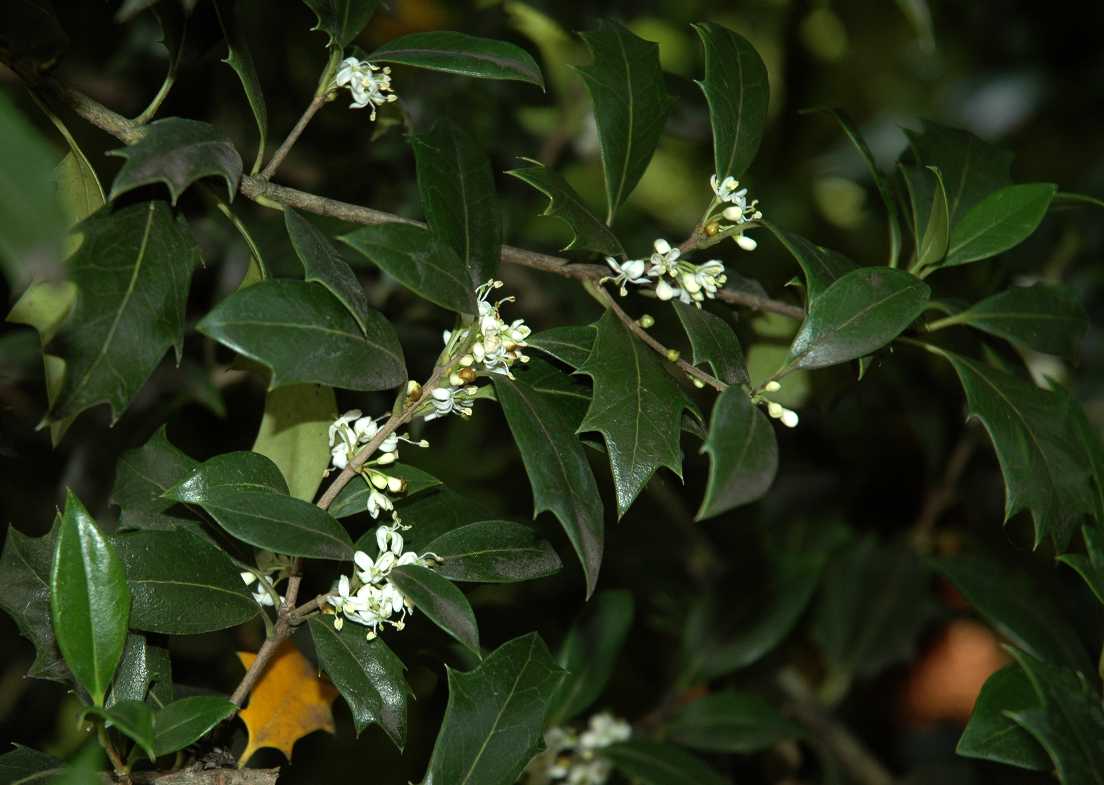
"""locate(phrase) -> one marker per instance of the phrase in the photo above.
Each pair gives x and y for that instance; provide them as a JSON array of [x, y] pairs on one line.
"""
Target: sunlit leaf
[[493, 552], [463, 54]]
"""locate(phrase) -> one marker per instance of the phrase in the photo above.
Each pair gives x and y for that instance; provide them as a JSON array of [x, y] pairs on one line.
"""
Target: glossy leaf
[[145, 670], [658, 763], [859, 313], [991, 734], [305, 335], [134, 719], [736, 88], [713, 341], [1002, 220], [181, 584], [931, 218], [558, 470], [177, 152], [637, 407], [494, 552], [494, 721], [353, 498], [240, 58], [25, 596], [342, 20], [419, 260], [1018, 607], [821, 266], [186, 721], [743, 454], [22, 766], [456, 185], [571, 394], [459, 53], [590, 652], [429, 516], [730, 721], [323, 264], [143, 474], [625, 83], [1089, 565], [294, 435], [367, 674], [89, 600], [569, 345], [588, 233], [132, 273], [441, 602]]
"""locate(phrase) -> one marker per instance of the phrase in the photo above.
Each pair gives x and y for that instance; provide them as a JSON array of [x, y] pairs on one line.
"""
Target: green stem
[[939, 324], [151, 111]]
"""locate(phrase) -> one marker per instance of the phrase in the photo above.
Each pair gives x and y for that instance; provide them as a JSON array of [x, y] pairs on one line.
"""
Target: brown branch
[[200, 777], [282, 151]]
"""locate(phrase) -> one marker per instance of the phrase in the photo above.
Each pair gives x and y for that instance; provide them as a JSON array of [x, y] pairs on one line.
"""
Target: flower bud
[[396, 484], [775, 410], [467, 376], [378, 480], [712, 228], [734, 214], [772, 386], [665, 291], [698, 383], [386, 458], [746, 243], [673, 355], [662, 246], [646, 321], [789, 418], [455, 380]]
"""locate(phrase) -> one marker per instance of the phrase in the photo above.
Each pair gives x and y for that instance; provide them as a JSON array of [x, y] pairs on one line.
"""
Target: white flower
[[365, 428], [665, 291], [575, 759], [446, 400], [378, 501], [339, 429], [604, 730], [779, 412], [726, 190], [261, 595], [632, 271], [665, 258], [367, 82], [339, 455]]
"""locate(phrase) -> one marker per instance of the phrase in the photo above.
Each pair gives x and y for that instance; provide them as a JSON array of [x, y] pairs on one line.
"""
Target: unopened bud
[[746, 243], [673, 355], [386, 458], [413, 389], [455, 380], [775, 410], [772, 386], [712, 228], [396, 484], [467, 376], [698, 383], [789, 418], [647, 320], [379, 480]]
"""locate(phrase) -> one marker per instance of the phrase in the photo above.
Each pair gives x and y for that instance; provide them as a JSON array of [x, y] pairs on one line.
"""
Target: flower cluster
[[738, 210], [271, 569], [348, 434], [787, 417], [368, 597], [573, 758], [674, 277], [369, 84]]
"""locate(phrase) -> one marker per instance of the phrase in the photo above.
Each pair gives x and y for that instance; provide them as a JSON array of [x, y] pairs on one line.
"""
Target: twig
[[200, 777], [940, 497], [282, 151]]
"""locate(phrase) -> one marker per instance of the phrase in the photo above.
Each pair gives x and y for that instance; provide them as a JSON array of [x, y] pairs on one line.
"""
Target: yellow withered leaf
[[289, 701]]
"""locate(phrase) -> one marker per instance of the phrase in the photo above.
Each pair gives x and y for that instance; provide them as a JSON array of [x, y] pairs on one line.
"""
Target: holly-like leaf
[[24, 765], [1089, 565], [459, 53], [186, 721], [134, 719], [931, 218], [367, 674], [1018, 606], [994, 736], [731, 721], [1000, 221], [342, 20], [637, 407], [625, 83], [743, 454], [1031, 430], [323, 264], [89, 600], [558, 471], [494, 721], [419, 260], [240, 58], [1068, 721], [353, 498], [143, 474], [441, 602], [305, 335], [736, 88], [132, 273], [589, 653], [249, 505], [588, 233], [713, 341], [177, 152], [569, 345], [181, 584], [859, 313], [294, 433], [821, 266], [25, 596], [658, 763], [144, 670], [289, 701], [456, 185], [494, 552]]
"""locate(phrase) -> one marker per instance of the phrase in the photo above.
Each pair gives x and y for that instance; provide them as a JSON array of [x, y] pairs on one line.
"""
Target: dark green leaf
[[495, 717], [637, 407], [304, 334], [353, 498], [441, 602], [430, 516], [240, 58], [89, 600], [571, 393], [23, 766], [589, 653], [1018, 606], [859, 313], [134, 719], [457, 188], [177, 152], [181, 584], [657, 763], [588, 233], [1069, 723], [242, 471], [144, 669], [1089, 565], [188, 720], [743, 454], [459, 53], [494, 552], [294, 433], [342, 20], [143, 474], [731, 721], [367, 674], [631, 103], [736, 88], [713, 341], [1000, 221], [931, 220], [78, 188], [821, 266], [419, 260], [323, 264], [992, 735], [569, 345], [559, 473], [1031, 429], [25, 596], [132, 273]]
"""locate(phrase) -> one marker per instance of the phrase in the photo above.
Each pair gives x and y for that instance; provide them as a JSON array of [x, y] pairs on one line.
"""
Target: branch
[[282, 151], [201, 777]]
